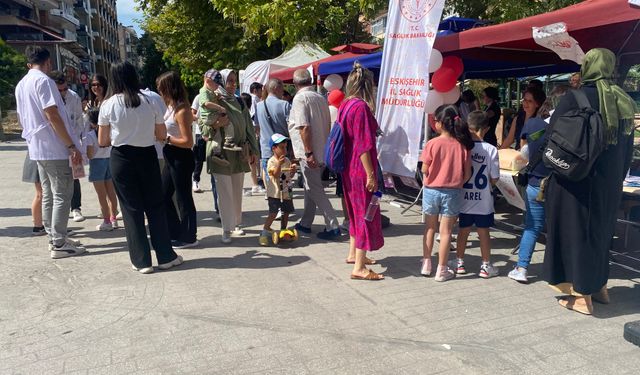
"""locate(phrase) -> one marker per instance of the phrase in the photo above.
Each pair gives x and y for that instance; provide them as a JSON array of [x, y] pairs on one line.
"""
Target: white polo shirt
[[195, 105], [130, 126], [34, 93]]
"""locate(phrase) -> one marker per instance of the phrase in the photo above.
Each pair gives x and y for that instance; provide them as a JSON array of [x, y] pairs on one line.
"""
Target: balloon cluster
[[445, 76]]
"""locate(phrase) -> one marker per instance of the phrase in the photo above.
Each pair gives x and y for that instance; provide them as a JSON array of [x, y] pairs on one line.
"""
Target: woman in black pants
[[179, 162], [131, 123]]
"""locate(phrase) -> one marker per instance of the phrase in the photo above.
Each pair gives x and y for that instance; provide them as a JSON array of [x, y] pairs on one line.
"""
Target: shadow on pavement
[[251, 259]]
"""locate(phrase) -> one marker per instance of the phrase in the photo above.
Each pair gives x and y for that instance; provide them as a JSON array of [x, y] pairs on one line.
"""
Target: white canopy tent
[[300, 54]]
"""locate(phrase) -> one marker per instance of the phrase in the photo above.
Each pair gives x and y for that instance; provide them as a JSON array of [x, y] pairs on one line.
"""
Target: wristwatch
[[307, 154]]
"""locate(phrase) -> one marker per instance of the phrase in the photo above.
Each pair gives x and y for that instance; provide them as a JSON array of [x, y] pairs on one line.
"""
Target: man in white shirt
[[309, 126], [52, 144], [73, 104]]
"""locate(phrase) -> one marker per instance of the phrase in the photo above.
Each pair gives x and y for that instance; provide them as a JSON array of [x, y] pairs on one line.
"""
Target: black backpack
[[575, 140]]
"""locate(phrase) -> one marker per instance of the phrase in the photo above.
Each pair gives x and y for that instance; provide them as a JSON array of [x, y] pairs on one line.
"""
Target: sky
[[127, 14]]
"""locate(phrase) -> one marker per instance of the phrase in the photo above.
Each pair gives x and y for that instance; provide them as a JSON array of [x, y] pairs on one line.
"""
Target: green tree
[[13, 66], [500, 11], [199, 34], [153, 63]]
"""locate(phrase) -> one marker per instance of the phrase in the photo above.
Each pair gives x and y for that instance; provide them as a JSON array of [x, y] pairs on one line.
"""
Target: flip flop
[[370, 276], [569, 303], [367, 262]]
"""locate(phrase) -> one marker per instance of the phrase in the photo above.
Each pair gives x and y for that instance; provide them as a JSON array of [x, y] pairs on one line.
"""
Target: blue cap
[[276, 138]]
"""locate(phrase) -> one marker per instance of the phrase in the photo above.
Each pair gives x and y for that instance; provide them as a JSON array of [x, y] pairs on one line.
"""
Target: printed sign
[[556, 38], [509, 189], [412, 26]]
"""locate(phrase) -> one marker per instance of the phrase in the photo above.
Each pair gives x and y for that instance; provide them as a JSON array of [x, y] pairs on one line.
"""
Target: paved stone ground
[[247, 309]]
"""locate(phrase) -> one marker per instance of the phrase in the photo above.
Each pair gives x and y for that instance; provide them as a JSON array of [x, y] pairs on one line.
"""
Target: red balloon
[[444, 79], [455, 63]]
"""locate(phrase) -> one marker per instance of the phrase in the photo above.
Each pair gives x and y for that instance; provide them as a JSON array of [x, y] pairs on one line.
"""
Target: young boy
[[210, 112], [477, 202], [279, 171]]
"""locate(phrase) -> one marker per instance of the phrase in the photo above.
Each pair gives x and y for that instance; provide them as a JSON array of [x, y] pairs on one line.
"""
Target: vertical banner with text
[[412, 26]]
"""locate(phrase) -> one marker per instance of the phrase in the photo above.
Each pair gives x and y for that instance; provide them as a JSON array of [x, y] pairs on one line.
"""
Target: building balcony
[[65, 16], [69, 35], [46, 4]]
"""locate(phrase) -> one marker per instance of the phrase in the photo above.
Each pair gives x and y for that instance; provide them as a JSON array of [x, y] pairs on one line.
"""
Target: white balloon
[[435, 60], [333, 82], [452, 95], [434, 100]]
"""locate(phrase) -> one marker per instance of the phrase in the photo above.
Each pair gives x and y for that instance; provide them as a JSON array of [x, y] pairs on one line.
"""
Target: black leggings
[[176, 179]]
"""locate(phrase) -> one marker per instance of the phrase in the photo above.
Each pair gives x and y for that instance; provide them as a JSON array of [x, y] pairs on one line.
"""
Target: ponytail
[[451, 122]]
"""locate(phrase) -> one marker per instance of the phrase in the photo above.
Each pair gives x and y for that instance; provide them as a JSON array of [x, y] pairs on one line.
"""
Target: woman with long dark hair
[[179, 161], [99, 87], [532, 99], [490, 97], [131, 124], [581, 215]]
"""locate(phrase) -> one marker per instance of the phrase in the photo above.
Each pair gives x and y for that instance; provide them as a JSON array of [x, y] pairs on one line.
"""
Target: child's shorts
[[275, 205], [480, 221], [99, 170], [440, 201]]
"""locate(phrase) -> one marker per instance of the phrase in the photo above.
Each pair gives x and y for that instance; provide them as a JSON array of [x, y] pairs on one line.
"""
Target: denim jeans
[[534, 222], [57, 189]]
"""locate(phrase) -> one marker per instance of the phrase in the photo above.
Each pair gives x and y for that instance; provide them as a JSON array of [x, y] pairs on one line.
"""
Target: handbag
[[522, 178]]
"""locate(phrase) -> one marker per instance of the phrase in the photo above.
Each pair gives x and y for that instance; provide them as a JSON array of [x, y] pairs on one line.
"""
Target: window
[[378, 26]]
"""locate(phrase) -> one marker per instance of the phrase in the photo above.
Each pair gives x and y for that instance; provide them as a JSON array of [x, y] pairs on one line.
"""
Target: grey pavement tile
[[246, 309]]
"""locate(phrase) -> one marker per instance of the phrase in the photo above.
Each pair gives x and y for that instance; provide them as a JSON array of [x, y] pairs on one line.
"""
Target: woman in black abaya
[[581, 216]]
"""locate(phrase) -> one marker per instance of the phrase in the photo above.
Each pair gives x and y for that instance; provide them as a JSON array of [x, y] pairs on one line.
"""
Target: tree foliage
[[13, 66], [200, 34], [500, 11]]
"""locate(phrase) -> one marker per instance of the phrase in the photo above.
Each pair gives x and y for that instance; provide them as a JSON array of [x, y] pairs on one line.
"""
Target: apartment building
[[82, 35], [128, 43]]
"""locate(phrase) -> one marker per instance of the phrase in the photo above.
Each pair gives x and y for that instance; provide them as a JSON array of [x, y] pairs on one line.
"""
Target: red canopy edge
[[357, 48], [609, 24], [287, 74]]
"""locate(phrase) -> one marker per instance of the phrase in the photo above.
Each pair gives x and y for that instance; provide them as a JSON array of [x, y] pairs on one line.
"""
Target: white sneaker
[[119, 216], [519, 274], [257, 190], [176, 262], [105, 227], [68, 240], [115, 224], [77, 215], [66, 250], [444, 274], [247, 193], [226, 237], [144, 270], [195, 186], [487, 270], [238, 231], [425, 270]]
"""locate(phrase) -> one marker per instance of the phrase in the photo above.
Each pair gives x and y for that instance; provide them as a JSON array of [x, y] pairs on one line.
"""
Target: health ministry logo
[[415, 10]]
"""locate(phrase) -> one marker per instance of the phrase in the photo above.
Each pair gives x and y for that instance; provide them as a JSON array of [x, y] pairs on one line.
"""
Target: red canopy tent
[[612, 24], [287, 74], [357, 48]]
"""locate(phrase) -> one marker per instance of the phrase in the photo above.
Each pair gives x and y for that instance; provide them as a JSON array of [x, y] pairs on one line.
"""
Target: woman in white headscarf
[[229, 179]]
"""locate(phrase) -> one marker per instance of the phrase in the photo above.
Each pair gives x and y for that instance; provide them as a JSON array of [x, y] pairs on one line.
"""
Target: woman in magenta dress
[[359, 177]]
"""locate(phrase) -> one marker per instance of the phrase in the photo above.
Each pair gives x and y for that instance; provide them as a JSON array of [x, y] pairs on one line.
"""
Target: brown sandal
[[367, 261], [570, 303], [370, 276]]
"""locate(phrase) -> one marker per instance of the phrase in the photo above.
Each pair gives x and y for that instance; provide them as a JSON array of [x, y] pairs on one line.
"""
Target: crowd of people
[[146, 152]]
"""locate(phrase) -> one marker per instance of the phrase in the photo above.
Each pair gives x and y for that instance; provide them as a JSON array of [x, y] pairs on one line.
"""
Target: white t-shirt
[[157, 101], [309, 109], [34, 93], [91, 139], [476, 193], [173, 129], [195, 105], [130, 126]]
